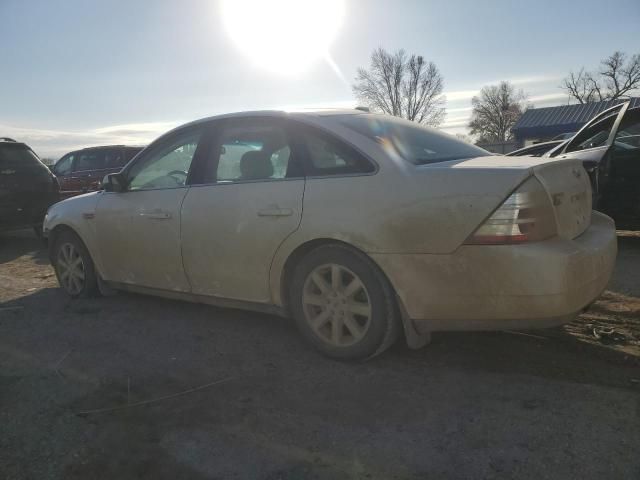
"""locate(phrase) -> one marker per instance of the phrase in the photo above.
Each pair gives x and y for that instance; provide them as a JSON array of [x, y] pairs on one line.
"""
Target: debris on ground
[[605, 334]]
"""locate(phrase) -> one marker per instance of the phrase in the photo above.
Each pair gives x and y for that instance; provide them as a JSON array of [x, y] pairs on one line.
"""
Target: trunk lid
[[566, 182], [569, 188]]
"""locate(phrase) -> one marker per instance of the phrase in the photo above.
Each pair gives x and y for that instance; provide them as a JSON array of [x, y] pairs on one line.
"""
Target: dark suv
[[82, 171], [27, 187]]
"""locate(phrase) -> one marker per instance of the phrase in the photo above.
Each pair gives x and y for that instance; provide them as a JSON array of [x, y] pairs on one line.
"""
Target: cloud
[[456, 122], [318, 105], [533, 79], [135, 128], [548, 98], [456, 95], [55, 143], [459, 110]]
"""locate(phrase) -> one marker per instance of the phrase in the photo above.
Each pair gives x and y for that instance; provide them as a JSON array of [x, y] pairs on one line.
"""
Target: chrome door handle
[[156, 215], [275, 212]]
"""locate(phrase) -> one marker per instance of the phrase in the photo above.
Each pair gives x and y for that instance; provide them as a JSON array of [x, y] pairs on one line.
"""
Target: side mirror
[[114, 182]]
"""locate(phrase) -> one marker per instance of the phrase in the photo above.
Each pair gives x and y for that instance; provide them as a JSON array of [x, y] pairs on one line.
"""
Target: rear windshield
[[14, 156], [415, 143]]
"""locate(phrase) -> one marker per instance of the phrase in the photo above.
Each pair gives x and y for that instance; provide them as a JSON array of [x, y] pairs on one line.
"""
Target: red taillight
[[526, 216]]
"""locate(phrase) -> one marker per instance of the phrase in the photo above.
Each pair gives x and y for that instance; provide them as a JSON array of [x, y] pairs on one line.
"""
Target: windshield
[[17, 155], [415, 143]]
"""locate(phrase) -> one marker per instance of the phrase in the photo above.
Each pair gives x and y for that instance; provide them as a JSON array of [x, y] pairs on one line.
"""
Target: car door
[[138, 230], [89, 166], [621, 192], [63, 170], [249, 201], [592, 144]]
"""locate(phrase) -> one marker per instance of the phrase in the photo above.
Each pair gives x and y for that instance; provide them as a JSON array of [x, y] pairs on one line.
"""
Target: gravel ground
[[557, 403]]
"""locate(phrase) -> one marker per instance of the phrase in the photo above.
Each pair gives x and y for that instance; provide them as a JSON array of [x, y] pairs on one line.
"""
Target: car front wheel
[[343, 304], [74, 266]]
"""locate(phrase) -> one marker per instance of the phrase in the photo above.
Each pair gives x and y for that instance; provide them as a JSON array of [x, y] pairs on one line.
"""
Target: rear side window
[[330, 156], [90, 160], [16, 156]]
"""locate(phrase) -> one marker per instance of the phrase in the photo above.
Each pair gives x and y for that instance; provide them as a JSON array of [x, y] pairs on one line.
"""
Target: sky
[[75, 73]]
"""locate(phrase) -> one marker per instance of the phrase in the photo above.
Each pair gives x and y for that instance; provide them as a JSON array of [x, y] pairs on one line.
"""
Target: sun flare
[[283, 36]]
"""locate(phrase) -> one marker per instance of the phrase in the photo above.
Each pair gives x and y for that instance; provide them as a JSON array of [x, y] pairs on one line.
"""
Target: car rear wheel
[[74, 267], [343, 304]]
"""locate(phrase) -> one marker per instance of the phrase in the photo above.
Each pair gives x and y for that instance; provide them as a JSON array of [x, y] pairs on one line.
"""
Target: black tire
[[89, 287], [382, 326]]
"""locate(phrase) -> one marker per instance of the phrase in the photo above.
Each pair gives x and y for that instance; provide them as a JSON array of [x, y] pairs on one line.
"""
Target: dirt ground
[[138, 387]]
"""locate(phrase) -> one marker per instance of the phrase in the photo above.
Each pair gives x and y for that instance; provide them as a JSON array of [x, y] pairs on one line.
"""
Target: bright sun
[[284, 36]]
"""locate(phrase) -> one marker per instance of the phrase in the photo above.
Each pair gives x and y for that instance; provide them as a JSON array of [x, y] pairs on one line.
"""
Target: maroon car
[[82, 171]]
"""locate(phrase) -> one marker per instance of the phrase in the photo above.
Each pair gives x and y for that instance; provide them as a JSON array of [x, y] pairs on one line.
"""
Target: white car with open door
[[359, 226], [609, 147]]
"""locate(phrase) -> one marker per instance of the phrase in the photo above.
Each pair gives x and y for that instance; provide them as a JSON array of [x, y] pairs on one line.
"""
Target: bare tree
[[495, 110], [401, 85], [616, 78]]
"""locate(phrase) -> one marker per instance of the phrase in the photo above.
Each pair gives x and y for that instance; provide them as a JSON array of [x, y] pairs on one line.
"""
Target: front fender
[[76, 213]]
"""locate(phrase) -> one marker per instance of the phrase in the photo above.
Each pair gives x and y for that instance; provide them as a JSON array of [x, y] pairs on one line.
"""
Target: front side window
[[113, 159], [413, 142], [167, 164], [63, 166], [253, 150], [129, 153]]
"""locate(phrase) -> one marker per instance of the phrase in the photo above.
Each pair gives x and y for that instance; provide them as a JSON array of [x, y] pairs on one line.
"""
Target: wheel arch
[[55, 233], [413, 338], [299, 252]]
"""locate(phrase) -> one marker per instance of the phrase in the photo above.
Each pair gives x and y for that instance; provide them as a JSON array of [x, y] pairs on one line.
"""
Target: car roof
[[11, 141], [294, 113], [107, 146]]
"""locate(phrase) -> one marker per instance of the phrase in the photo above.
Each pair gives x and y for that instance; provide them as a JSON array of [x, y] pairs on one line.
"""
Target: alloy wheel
[[70, 268], [336, 305]]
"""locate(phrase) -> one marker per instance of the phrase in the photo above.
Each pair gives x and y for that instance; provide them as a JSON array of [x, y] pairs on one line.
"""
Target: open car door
[[593, 145]]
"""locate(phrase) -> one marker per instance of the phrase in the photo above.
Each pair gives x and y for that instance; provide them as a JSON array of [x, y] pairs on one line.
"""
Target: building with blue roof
[[542, 124]]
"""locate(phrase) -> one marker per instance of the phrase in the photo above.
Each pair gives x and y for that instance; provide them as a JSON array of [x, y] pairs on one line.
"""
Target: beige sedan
[[361, 227]]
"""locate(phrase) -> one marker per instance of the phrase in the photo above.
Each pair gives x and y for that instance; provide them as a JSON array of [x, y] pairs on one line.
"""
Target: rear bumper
[[493, 287]]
